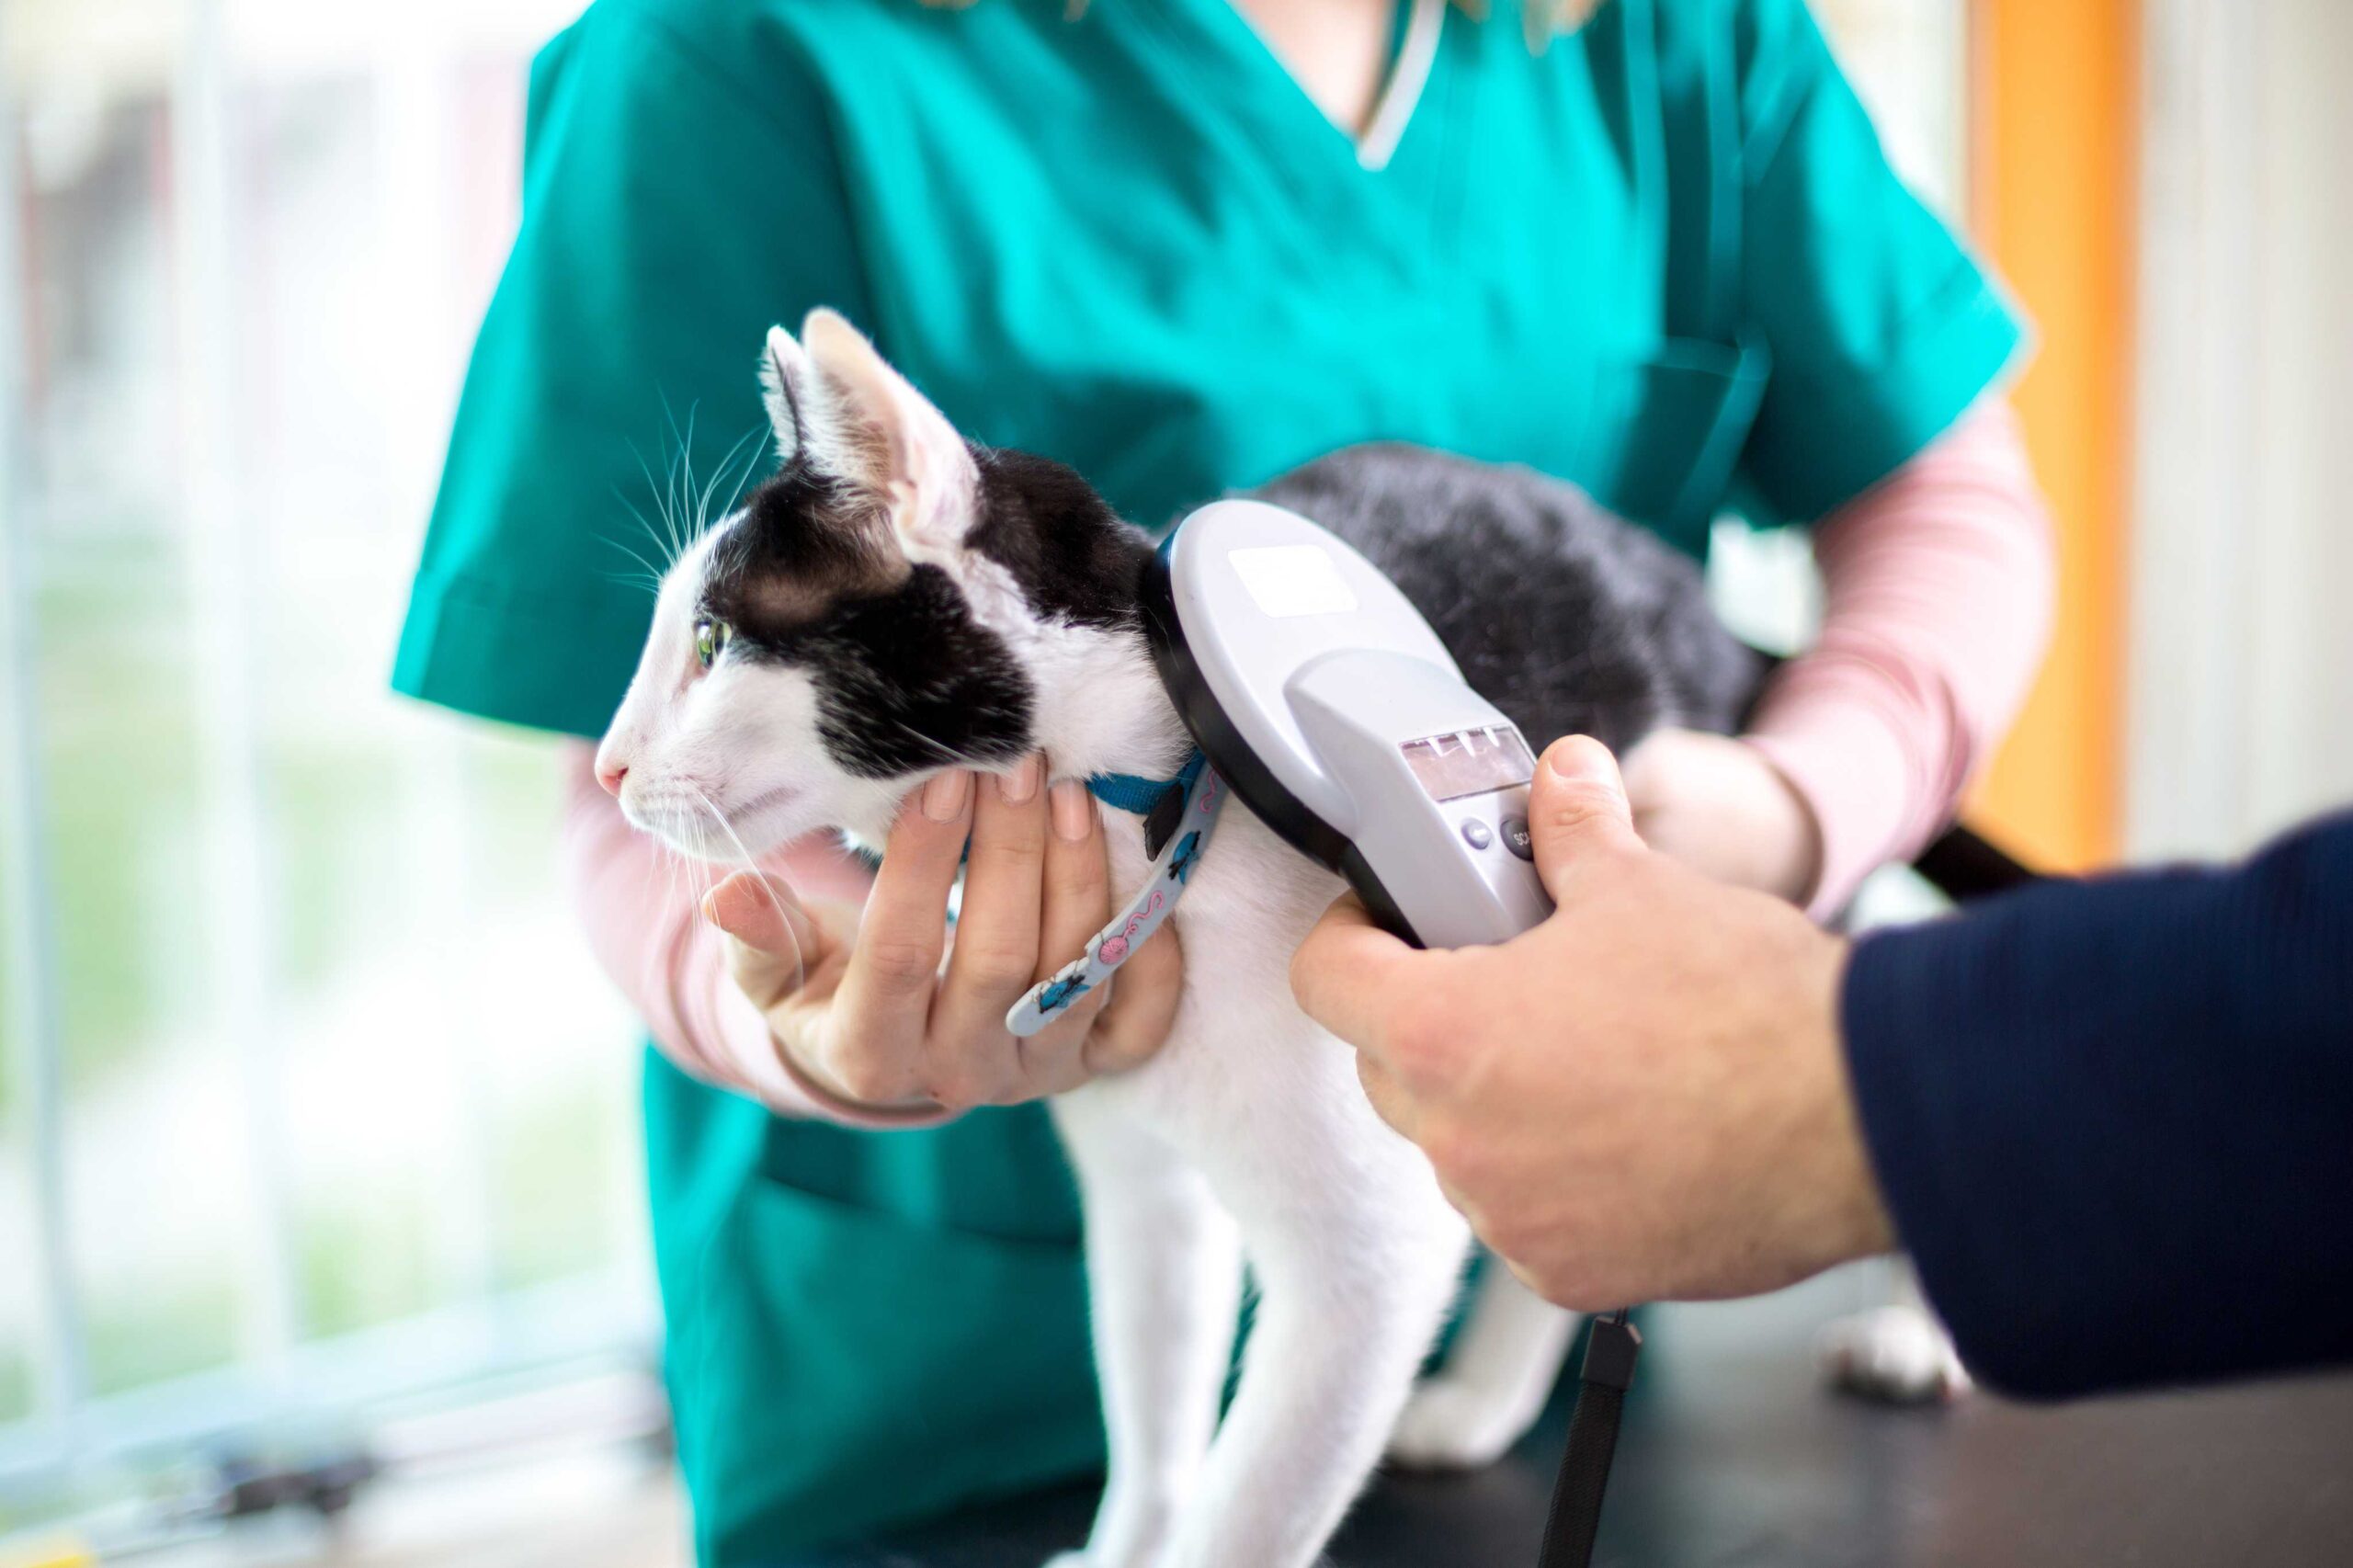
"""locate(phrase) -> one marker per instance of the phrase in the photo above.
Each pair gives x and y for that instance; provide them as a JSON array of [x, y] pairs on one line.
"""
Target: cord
[[1611, 1345]]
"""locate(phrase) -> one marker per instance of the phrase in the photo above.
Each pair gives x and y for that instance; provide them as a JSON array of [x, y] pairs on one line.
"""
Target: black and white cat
[[897, 600]]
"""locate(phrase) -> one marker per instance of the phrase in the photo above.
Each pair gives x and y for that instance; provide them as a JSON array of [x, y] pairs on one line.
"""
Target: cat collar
[[1177, 839]]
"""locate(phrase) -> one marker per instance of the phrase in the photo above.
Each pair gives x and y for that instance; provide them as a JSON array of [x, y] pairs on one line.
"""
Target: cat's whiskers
[[703, 496], [799, 967], [751, 467], [655, 960], [674, 504], [681, 477], [701, 878], [651, 577], [665, 537], [660, 539], [682, 507], [948, 754]]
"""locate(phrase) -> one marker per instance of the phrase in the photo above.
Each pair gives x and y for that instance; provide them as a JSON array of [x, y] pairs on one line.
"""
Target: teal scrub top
[[1664, 258]]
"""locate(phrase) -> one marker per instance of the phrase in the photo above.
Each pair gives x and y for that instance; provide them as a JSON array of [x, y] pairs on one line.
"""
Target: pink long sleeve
[[1937, 588], [646, 930]]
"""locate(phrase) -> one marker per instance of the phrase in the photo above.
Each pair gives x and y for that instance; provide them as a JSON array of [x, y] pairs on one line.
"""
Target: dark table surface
[[1732, 1454]]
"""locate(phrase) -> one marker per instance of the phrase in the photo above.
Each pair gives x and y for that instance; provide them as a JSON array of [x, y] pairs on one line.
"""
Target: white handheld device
[[1327, 703]]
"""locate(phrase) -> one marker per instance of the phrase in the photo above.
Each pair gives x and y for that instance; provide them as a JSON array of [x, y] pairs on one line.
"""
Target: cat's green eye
[[712, 638]]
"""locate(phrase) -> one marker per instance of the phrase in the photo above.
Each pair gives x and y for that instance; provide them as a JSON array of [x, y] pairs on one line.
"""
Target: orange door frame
[[2054, 91]]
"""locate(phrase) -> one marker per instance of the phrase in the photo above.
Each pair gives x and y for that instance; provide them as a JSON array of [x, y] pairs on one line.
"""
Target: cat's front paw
[[1893, 1355], [1070, 1560], [1450, 1425]]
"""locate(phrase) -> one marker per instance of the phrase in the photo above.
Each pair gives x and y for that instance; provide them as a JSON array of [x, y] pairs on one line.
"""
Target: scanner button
[[1475, 833], [1516, 839]]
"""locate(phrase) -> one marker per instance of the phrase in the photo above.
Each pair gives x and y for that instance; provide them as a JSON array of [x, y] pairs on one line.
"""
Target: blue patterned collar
[[1174, 839], [1137, 797]]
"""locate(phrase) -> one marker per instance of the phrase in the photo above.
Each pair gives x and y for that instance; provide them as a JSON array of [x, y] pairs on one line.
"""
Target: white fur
[[1247, 1137], [726, 758], [1896, 1354], [1501, 1370], [784, 371], [870, 428]]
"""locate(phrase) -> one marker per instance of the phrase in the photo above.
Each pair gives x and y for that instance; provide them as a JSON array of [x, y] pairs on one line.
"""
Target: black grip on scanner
[[1610, 1348]]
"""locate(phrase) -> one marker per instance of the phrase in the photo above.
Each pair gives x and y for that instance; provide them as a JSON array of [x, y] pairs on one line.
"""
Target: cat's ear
[[868, 428], [784, 375]]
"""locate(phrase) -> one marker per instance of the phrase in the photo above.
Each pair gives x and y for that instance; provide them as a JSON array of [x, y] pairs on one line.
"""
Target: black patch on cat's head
[[907, 680], [1070, 554], [906, 677], [795, 548]]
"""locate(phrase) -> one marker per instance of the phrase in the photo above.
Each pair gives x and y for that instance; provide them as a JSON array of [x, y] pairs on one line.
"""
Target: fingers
[[996, 954], [1349, 974], [1077, 894], [1038, 888], [769, 937], [1078, 902], [885, 1005], [1135, 1022], [1102, 1034], [1577, 811]]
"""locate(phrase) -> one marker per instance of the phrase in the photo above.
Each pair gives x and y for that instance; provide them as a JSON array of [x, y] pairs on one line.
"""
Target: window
[[300, 1060]]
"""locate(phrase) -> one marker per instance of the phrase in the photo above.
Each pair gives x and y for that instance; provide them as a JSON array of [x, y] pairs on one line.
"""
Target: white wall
[[2240, 692]]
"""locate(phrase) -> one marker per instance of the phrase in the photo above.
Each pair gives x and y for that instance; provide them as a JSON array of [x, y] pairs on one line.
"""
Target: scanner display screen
[[1289, 580], [1470, 762]]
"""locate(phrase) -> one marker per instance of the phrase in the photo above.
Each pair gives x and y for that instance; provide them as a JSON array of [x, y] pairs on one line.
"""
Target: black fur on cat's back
[[1567, 617]]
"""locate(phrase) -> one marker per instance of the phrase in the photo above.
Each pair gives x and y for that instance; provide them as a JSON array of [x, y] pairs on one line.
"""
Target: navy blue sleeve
[[2113, 1121]]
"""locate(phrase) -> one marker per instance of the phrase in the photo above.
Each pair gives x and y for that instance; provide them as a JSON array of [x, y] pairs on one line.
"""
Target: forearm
[[638, 905], [1937, 589], [2111, 1119]]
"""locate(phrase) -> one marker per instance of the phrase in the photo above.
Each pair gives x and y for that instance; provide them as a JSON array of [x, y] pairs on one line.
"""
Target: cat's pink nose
[[610, 774]]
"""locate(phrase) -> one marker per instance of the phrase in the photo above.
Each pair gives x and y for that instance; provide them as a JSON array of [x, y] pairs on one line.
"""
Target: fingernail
[[1018, 784], [944, 797], [1074, 810], [1571, 758]]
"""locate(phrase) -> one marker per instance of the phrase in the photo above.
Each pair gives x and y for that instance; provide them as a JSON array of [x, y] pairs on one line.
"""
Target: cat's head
[[894, 601]]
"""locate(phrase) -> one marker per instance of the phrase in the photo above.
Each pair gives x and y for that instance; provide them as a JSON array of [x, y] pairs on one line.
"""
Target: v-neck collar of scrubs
[[1232, 59], [1272, 135], [1412, 58]]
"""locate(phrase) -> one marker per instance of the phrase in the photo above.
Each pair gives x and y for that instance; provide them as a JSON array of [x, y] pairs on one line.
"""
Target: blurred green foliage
[[134, 1338], [362, 1262], [122, 821], [554, 1157], [16, 1384], [117, 743]]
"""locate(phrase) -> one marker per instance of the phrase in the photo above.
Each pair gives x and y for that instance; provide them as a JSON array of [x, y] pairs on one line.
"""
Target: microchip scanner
[[1327, 703]]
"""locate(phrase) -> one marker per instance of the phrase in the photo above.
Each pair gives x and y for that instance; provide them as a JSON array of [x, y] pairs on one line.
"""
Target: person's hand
[[1645, 1097], [858, 1001], [1715, 803]]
